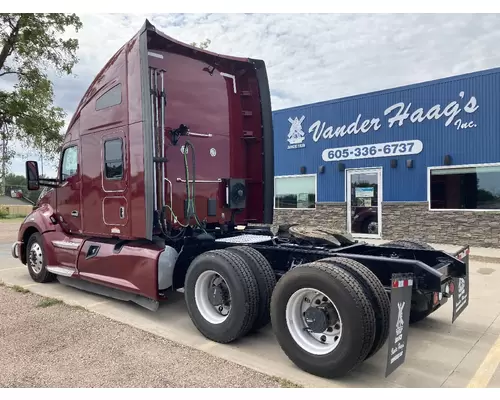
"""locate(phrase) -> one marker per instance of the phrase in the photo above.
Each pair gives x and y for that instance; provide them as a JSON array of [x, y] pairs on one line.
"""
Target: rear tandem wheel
[[221, 295], [323, 319], [375, 292], [266, 281]]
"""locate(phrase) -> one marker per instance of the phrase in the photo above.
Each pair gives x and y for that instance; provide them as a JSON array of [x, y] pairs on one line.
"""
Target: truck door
[[114, 180], [68, 194]]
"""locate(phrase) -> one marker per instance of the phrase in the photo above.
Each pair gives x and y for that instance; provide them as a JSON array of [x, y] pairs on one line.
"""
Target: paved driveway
[[439, 354]]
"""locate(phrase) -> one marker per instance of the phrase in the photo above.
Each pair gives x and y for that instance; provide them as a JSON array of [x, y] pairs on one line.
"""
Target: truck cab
[[169, 141]]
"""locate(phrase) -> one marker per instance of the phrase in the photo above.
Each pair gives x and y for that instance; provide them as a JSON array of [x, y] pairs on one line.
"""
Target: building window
[[111, 98], [467, 188], [113, 158], [69, 164], [295, 191]]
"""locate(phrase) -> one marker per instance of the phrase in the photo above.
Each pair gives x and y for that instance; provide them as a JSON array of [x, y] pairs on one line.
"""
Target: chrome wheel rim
[[36, 258], [317, 343]]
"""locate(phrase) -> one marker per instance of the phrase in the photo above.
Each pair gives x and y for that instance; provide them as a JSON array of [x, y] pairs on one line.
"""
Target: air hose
[[191, 207]]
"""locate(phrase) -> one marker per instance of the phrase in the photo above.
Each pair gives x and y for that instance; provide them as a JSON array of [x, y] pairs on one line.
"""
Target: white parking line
[[487, 369]]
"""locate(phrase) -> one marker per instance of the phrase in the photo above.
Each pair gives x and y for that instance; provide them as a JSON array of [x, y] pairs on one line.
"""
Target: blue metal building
[[427, 153]]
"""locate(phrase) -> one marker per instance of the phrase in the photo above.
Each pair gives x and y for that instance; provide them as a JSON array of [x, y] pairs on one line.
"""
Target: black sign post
[[461, 294], [401, 291]]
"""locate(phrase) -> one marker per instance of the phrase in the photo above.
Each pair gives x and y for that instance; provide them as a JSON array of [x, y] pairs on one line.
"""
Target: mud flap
[[401, 292], [461, 294]]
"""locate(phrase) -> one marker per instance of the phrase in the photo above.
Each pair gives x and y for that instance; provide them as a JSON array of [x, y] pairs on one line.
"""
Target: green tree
[[31, 46], [6, 155]]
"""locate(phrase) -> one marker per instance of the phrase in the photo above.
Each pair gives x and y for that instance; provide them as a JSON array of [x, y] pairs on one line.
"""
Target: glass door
[[364, 201]]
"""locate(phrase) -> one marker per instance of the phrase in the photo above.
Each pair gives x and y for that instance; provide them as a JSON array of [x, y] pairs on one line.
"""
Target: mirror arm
[[53, 183]]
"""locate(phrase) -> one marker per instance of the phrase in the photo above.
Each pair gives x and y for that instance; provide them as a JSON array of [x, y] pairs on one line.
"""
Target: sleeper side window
[[69, 164], [111, 98], [113, 159]]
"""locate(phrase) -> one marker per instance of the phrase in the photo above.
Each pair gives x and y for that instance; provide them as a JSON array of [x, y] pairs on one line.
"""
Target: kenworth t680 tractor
[[165, 182]]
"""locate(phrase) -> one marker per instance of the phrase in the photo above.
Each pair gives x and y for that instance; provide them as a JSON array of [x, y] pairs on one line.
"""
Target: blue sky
[[310, 57]]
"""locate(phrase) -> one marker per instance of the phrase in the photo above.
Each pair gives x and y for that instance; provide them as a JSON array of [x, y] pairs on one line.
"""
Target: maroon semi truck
[[165, 182]]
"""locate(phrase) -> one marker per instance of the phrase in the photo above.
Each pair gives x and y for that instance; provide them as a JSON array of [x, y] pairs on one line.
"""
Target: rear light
[[437, 297], [452, 287]]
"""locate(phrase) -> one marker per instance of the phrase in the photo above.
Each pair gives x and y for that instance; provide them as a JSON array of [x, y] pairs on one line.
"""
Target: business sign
[[296, 135], [397, 114], [390, 149]]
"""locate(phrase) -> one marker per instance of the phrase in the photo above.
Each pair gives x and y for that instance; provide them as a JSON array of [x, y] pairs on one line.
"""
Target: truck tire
[[266, 281], [408, 244], [35, 260], [351, 335], [235, 284], [375, 292]]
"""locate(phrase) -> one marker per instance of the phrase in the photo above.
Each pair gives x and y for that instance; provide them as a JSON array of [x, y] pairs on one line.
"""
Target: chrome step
[[63, 271]]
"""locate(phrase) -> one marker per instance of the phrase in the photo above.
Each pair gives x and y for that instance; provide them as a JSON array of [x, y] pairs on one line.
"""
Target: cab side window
[[113, 159], [111, 98], [69, 164]]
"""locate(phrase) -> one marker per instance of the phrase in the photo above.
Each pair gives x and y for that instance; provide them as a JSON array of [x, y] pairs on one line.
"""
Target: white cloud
[[310, 57]]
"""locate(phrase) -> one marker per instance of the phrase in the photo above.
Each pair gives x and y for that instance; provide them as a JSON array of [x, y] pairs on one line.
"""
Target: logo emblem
[[400, 322], [461, 285], [296, 135]]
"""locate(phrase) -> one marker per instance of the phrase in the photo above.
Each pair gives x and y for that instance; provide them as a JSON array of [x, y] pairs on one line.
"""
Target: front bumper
[[16, 249]]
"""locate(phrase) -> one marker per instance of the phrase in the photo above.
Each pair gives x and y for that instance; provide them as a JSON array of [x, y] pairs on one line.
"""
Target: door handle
[[74, 213], [122, 212]]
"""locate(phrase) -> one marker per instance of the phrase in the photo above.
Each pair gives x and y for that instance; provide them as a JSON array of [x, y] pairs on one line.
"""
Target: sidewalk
[[483, 254]]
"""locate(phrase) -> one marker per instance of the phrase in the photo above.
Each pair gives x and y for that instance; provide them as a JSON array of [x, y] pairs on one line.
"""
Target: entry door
[[68, 194], [364, 202]]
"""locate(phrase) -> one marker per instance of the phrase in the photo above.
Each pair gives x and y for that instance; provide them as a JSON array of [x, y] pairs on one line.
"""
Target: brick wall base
[[331, 214], [448, 227], [410, 220]]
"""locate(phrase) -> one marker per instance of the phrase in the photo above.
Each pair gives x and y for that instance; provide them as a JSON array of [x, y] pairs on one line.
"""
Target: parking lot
[[440, 354]]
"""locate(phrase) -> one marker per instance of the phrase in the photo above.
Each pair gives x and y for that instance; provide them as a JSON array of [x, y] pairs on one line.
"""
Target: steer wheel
[[35, 260]]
